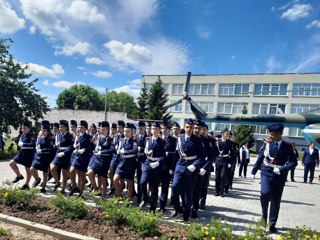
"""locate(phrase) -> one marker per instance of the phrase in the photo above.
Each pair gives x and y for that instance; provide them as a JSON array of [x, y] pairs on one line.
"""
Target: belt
[[225, 155], [106, 154], [127, 156], [27, 148], [140, 154], [190, 158], [154, 159], [270, 164], [171, 152], [64, 148]]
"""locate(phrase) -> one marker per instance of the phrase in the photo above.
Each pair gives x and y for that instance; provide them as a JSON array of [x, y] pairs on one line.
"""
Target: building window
[[295, 132], [206, 106], [233, 89], [306, 89], [176, 108], [264, 108], [270, 89], [231, 108], [257, 129], [300, 108], [220, 126], [177, 89], [165, 86], [201, 89]]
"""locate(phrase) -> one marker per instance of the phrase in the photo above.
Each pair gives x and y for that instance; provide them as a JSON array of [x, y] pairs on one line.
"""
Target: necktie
[[273, 149]]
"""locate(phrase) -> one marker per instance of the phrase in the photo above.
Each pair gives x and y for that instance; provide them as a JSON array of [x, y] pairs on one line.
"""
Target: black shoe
[[73, 190], [111, 192], [62, 192], [142, 204], [217, 194], [222, 194], [174, 213], [292, 180], [273, 229], [56, 187], [17, 179], [202, 207], [194, 213], [77, 190], [310, 182], [25, 187], [36, 183], [43, 190], [186, 220], [161, 210]]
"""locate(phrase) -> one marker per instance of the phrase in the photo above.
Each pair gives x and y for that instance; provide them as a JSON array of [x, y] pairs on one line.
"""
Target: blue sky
[[110, 44]]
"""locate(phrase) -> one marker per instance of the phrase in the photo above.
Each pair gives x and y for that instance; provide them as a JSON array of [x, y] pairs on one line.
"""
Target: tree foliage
[[19, 97], [143, 102], [157, 99], [244, 132]]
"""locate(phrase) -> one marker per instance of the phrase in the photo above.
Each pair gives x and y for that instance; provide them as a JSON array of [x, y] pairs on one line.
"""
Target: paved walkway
[[241, 206]]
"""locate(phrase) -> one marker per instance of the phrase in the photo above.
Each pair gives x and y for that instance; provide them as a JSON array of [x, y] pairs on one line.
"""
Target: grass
[[8, 154]]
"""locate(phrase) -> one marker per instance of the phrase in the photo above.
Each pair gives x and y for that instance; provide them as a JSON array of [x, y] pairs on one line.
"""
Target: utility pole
[[105, 105]]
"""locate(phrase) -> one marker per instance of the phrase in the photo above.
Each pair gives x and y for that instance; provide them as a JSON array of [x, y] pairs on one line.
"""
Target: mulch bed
[[92, 226]]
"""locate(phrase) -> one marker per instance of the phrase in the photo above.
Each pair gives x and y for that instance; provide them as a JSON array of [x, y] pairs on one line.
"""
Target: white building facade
[[259, 93]]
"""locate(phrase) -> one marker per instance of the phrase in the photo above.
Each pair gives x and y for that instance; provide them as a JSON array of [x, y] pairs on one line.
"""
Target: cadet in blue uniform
[[25, 156], [190, 149], [42, 158], [151, 168], [115, 159], [80, 158], [101, 158], [212, 152], [73, 129], [63, 144], [310, 160], [222, 161], [127, 150], [168, 165], [140, 139], [275, 159]]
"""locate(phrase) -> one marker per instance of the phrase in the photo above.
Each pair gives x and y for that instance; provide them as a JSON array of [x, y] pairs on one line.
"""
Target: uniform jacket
[[171, 153], [64, 140], [46, 146], [211, 150], [28, 141], [225, 151], [83, 141], [141, 143], [129, 147], [311, 159], [158, 148]]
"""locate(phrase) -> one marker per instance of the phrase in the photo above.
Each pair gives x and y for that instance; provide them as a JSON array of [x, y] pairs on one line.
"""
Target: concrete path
[[241, 206]]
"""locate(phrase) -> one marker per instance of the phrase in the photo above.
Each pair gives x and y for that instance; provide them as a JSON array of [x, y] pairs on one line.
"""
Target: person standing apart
[[244, 159], [275, 159], [310, 160]]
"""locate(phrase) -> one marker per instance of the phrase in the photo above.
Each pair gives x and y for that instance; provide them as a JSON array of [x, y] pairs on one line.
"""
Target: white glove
[[183, 155], [191, 168], [276, 170], [229, 165], [121, 151], [202, 172], [253, 176], [170, 172], [150, 152], [154, 164], [39, 150], [99, 153], [60, 154], [213, 164], [118, 152], [75, 151], [81, 151], [98, 148], [167, 154], [20, 144], [139, 149]]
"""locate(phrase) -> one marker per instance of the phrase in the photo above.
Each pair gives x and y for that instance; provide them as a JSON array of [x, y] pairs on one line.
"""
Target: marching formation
[[143, 160]]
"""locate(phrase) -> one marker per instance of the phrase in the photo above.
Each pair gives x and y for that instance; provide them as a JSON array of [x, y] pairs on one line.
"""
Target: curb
[[40, 228]]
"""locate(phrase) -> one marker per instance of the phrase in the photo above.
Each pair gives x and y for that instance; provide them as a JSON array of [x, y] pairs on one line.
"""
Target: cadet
[[310, 160], [101, 158], [275, 159], [190, 149], [26, 154], [127, 150], [140, 139], [42, 158], [115, 158], [234, 158], [63, 144], [245, 159], [73, 128], [151, 168], [148, 129], [222, 161], [175, 129], [80, 158], [168, 165]]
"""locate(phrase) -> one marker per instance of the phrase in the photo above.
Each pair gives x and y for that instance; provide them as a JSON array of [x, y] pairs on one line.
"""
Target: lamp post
[[105, 105]]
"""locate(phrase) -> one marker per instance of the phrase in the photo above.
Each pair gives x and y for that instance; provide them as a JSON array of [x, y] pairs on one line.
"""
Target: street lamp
[[105, 105]]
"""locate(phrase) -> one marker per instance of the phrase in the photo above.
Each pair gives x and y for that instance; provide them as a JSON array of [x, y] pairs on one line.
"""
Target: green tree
[[244, 132], [79, 97], [143, 102], [19, 97], [120, 102], [157, 100]]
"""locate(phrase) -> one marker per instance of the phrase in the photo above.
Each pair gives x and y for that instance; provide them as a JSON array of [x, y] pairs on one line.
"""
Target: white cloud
[[81, 68], [9, 20], [65, 84], [102, 74], [69, 50], [55, 71], [136, 82], [314, 23], [32, 29], [308, 62], [203, 32], [135, 92], [297, 11], [46, 83], [100, 89], [81, 10], [128, 53], [233, 57], [273, 64], [94, 60]]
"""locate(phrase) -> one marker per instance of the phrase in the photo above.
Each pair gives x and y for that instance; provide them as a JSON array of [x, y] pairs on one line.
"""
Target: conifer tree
[[143, 102], [244, 132]]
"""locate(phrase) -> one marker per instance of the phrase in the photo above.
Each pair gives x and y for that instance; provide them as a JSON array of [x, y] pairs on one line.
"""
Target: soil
[[92, 226]]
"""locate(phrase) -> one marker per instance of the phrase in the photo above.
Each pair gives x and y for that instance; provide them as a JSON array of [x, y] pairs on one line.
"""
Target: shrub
[[300, 233], [3, 232], [69, 207], [216, 230], [12, 196], [8, 153]]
